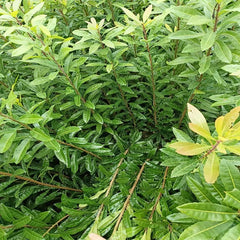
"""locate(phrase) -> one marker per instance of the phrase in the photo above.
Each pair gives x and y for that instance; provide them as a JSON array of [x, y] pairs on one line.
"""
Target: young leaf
[[7, 140], [211, 168], [219, 125], [147, 13], [208, 211], [27, 17], [197, 118], [131, 15], [201, 131], [189, 149], [16, 4]]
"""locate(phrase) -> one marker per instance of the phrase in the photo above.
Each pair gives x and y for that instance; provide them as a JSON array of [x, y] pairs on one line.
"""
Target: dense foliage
[[92, 93]]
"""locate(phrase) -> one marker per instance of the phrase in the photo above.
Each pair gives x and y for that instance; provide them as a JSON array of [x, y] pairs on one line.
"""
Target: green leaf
[[89, 104], [93, 88], [53, 144], [21, 222], [183, 168], [184, 59], [204, 64], [63, 157], [208, 211], [21, 150], [198, 20], [94, 47], [205, 230], [131, 15], [184, 34], [6, 213], [189, 149], [208, 40], [67, 130], [30, 118], [185, 11], [31, 235], [27, 17], [86, 115], [7, 140], [223, 52], [232, 234], [229, 175], [199, 191], [108, 43], [40, 135], [232, 198], [98, 118], [42, 80], [16, 4], [21, 50], [211, 168], [181, 136], [3, 234], [147, 13]]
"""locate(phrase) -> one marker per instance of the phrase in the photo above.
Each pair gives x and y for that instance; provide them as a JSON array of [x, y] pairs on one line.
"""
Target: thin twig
[[111, 183], [26, 226], [160, 194], [55, 224], [201, 75], [39, 183], [129, 196], [152, 76]]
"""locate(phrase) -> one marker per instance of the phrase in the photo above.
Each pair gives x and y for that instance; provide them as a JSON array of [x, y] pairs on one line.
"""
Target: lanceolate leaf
[[223, 52], [7, 140], [208, 40], [40, 135], [21, 150], [30, 118], [201, 193], [232, 198], [211, 168], [201, 131], [189, 149], [208, 211], [205, 230], [229, 175], [232, 234]]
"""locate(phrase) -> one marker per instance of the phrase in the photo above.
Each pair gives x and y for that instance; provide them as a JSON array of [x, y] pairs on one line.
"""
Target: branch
[[111, 183], [152, 76], [39, 183], [129, 196]]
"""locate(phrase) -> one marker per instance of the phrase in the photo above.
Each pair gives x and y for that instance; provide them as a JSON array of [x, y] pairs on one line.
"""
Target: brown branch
[[160, 194], [129, 196], [212, 149], [59, 141], [64, 17], [152, 76], [4, 84], [55, 224], [111, 183], [39, 183], [201, 75]]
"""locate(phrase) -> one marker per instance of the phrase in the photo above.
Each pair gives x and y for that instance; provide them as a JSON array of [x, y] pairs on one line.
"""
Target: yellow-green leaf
[[130, 14], [229, 119], [211, 168], [197, 118], [147, 13], [219, 125], [201, 131], [189, 149], [234, 149]]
